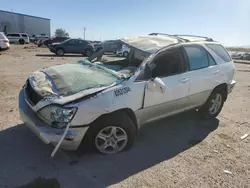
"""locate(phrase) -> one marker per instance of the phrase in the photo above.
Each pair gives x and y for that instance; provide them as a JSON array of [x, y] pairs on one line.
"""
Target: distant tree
[[61, 33]]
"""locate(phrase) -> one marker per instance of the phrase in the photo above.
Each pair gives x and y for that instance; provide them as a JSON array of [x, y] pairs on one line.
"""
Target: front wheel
[[214, 104], [111, 134]]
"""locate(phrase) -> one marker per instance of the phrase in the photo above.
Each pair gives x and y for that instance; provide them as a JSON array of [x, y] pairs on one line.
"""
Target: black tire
[[205, 110], [89, 52], [60, 52], [21, 41], [120, 120], [125, 54]]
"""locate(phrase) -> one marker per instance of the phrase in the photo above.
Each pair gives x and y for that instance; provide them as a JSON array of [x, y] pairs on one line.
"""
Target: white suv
[[104, 106], [124, 51], [20, 38], [4, 42]]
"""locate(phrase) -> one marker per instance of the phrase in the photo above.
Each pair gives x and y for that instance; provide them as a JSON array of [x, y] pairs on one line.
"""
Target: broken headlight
[[57, 117], [63, 115]]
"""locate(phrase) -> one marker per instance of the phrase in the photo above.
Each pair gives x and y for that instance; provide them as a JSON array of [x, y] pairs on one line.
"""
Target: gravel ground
[[181, 151]]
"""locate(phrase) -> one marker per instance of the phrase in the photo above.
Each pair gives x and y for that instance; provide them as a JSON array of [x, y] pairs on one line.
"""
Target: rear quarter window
[[220, 51]]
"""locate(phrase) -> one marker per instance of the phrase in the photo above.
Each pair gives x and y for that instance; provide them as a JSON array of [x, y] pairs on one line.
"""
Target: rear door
[[203, 73], [71, 46], [82, 46]]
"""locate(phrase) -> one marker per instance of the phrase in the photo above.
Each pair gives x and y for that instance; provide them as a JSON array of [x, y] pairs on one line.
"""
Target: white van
[[20, 38], [4, 42]]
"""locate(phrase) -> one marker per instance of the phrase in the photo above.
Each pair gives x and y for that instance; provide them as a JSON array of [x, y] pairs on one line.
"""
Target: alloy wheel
[[111, 140]]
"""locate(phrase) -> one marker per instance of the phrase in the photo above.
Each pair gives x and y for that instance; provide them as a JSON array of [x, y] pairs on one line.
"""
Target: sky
[[227, 21]]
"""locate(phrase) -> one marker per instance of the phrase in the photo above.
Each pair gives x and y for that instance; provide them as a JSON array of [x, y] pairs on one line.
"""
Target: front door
[[170, 67]]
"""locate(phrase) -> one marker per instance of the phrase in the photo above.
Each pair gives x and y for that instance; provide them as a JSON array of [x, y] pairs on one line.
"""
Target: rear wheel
[[111, 134], [21, 41], [59, 52], [214, 104], [125, 54], [89, 53]]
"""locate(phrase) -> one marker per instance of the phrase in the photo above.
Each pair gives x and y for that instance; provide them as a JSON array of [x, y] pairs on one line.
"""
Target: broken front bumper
[[46, 133]]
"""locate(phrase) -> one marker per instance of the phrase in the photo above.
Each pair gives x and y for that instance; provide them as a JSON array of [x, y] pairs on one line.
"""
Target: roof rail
[[177, 37], [206, 38], [181, 36]]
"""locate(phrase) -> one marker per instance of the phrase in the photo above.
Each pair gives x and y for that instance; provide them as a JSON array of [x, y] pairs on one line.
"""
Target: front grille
[[33, 97]]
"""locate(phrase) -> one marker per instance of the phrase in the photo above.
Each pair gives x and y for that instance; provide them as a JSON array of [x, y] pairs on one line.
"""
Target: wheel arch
[[224, 88], [129, 112]]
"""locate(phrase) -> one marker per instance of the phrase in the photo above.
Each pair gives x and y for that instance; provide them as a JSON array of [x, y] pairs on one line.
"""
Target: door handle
[[183, 80], [216, 72]]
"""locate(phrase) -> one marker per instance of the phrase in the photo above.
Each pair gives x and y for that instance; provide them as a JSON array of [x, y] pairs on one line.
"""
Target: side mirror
[[157, 84]]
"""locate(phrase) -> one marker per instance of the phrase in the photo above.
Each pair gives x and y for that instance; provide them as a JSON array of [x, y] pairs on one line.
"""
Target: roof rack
[[177, 37], [182, 37], [206, 38]]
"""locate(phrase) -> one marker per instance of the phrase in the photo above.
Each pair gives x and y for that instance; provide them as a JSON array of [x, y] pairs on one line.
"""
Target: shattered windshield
[[75, 77]]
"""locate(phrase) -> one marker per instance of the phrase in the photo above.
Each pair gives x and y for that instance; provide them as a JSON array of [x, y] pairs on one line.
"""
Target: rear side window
[[197, 57], [13, 35], [220, 51]]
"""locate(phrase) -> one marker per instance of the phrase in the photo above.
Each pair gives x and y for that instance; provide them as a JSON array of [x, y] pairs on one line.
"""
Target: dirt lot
[[181, 151]]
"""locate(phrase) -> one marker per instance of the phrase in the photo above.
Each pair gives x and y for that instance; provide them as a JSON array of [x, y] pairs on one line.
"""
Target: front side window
[[220, 51], [197, 57], [167, 64], [24, 35]]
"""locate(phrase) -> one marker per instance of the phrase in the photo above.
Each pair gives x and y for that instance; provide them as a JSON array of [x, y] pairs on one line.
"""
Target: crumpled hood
[[69, 79]]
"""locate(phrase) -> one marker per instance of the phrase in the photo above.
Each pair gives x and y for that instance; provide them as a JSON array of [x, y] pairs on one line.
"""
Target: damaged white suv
[[103, 106]]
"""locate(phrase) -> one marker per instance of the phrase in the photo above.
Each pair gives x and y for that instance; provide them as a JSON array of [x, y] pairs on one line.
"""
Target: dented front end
[[49, 100]]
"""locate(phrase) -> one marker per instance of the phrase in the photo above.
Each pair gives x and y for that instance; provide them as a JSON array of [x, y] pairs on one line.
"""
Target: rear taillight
[[5, 41]]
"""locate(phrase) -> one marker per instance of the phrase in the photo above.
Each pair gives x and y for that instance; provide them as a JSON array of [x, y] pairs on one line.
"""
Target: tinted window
[[83, 42], [24, 35], [220, 51], [197, 57], [13, 35], [72, 42], [167, 64]]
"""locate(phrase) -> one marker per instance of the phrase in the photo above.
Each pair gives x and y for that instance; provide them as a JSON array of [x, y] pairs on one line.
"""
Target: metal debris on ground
[[228, 172], [244, 136]]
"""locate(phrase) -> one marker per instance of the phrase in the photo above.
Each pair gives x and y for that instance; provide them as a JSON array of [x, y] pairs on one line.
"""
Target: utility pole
[[84, 32]]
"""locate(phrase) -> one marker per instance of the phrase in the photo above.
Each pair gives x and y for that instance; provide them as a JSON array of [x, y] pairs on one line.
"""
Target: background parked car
[[48, 42], [97, 44], [112, 45], [39, 38], [246, 56], [124, 51], [75, 46], [237, 55], [20, 38], [4, 41]]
